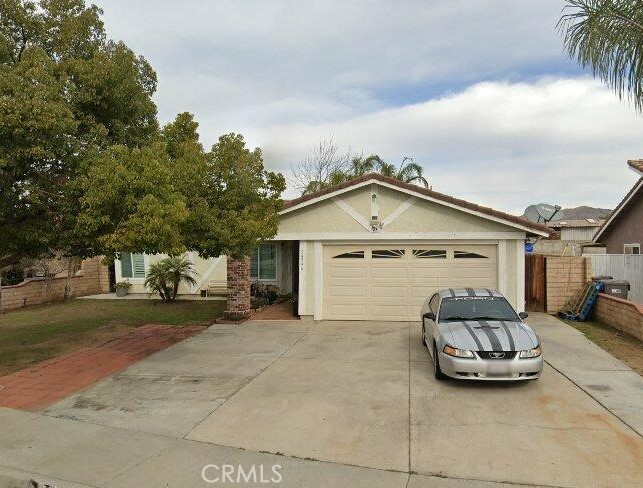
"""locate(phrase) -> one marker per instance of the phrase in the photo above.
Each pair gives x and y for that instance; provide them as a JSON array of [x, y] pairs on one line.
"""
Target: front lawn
[[32, 335]]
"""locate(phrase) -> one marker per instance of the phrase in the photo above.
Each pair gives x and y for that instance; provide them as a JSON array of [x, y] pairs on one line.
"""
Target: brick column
[[238, 289]]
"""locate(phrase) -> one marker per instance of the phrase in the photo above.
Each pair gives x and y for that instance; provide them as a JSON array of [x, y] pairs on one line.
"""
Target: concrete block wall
[[621, 314], [93, 278], [566, 279]]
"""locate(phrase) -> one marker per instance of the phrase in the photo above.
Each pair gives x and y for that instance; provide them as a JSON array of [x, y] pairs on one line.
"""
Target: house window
[[387, 253], [631, 249], [467, 255], [430, 253], [263, 262], [132, 265]]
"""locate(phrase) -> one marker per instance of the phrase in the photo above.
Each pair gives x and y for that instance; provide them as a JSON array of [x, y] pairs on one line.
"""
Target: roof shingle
[[637, 164]]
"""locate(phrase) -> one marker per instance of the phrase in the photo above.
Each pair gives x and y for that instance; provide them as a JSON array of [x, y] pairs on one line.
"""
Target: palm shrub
[[165, 276]]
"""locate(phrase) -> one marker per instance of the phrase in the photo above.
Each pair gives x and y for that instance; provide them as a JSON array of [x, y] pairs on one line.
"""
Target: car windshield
[[476, 308]]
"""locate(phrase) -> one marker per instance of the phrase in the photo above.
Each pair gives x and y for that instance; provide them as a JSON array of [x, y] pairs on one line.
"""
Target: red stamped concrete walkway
[[278, 311], [47, 382]]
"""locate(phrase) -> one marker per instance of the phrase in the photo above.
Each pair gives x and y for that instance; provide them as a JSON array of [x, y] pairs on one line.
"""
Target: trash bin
[[616, 288]]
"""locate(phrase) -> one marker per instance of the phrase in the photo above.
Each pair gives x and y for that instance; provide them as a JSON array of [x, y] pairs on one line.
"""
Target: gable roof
[[625, 203], [509, 219]]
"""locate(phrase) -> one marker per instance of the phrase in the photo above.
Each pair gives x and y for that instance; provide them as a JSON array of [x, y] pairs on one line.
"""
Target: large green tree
[[607, 36], [67, 93], [172, 196], [84, 167]]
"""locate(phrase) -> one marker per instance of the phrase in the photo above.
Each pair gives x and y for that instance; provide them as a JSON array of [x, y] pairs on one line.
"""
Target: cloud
[[219, 58], [480, 93], [506, 145]]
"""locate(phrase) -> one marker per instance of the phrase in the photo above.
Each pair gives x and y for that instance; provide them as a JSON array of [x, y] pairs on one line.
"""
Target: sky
[[480, 93]]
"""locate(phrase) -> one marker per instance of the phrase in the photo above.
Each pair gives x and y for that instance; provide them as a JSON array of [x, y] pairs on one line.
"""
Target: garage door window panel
[[468, 255], [387, 253], [430, 253], [350, 255]]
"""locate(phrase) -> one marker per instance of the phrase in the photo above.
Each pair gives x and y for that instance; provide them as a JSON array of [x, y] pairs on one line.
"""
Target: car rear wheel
[[439, 375]]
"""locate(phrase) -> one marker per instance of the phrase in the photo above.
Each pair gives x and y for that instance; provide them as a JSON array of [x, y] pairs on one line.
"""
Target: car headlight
[[531, 353], [458, 353]]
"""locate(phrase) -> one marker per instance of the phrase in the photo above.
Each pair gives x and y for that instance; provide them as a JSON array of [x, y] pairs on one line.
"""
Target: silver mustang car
[[476, 334]]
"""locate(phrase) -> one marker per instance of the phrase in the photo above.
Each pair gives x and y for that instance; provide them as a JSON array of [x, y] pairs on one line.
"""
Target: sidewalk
[[599, 374]]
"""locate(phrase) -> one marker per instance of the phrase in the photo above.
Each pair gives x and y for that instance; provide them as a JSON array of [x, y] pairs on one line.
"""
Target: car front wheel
[[439, 375]]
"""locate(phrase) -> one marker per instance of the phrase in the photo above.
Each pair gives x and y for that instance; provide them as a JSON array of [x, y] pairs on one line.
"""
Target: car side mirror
[[523, 315], [429, 316]]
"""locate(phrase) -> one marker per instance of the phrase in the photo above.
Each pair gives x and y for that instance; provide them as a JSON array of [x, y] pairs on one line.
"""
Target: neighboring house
[[622, 232], [374, 248], [571, 238], [576, 230]]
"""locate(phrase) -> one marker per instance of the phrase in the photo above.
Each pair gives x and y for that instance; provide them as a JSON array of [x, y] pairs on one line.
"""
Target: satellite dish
[[531, 213], [547, 212], [541, 213]]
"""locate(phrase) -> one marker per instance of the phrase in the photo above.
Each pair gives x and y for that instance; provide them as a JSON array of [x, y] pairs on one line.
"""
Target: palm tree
[[607, 36], [165, 276], [360, 165], [408, 172], [411, 172]]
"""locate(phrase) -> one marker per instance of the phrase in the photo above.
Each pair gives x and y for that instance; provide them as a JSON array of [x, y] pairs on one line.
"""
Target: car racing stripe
[[470, 292], [512, 344], [475, 337], [489, 292], [452, 292], [491, 335]]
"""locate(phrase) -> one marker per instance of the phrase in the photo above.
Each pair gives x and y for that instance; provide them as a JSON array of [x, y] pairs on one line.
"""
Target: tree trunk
[[175, 290], [67, 292]]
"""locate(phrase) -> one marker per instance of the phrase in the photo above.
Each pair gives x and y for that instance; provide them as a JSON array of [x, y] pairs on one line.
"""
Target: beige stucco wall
[[512, 247], [212, 269], [423, 216], [306, 278], [322, 217]]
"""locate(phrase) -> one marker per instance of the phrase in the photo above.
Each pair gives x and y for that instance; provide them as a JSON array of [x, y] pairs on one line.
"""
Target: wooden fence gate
[[535, 287]]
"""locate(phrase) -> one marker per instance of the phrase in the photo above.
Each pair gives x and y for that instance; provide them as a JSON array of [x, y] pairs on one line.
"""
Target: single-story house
[[373, 248], [577, 230], [571, 237], [622, 232]]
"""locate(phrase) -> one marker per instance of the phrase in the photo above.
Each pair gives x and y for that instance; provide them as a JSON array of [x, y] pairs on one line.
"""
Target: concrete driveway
[[338, 403]]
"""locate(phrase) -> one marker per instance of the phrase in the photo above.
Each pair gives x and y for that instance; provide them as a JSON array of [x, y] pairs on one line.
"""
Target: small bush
[[12, 275], [165, 276]]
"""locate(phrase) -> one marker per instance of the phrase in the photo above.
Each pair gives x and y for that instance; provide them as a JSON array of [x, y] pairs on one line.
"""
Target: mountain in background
[[582, 212]]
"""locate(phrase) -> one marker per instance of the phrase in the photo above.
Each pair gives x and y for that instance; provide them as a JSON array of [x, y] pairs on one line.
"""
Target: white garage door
[[390, 282]]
